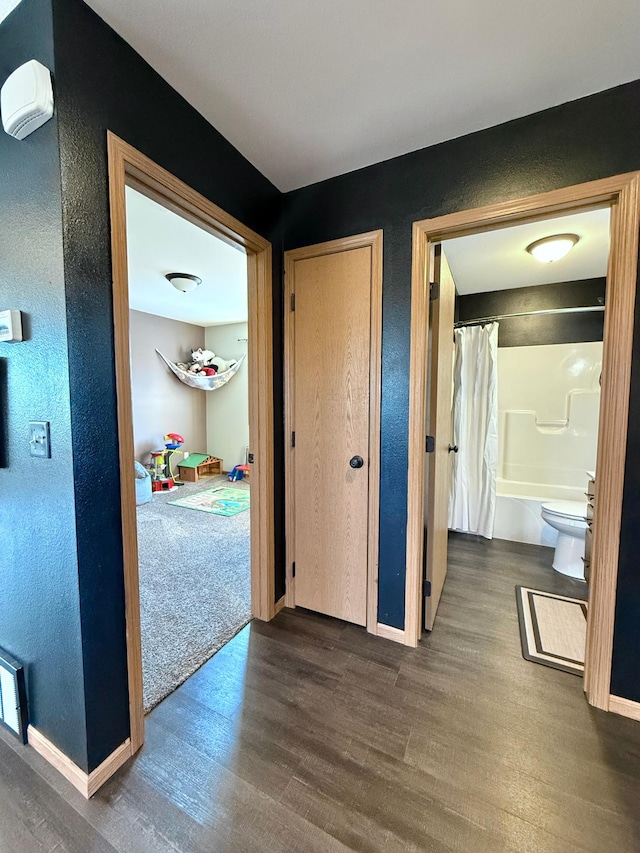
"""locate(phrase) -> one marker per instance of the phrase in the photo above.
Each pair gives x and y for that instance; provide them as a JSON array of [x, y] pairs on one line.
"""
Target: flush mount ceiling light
[[552, 248], [183, 281]]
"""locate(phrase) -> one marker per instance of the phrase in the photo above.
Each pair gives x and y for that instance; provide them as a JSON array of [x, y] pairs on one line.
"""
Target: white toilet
[[569, 519]]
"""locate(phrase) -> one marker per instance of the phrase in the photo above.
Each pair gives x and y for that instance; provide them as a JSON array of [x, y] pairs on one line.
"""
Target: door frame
[[129, 167], [622, 194], [372, 239]]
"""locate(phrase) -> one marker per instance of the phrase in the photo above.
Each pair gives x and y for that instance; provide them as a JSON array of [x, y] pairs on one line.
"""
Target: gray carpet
[[195, 586]]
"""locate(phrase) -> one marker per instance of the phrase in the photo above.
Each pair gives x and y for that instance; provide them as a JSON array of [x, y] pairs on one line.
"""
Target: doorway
[[621, 195], [332, 397], [189, 385], [129, 168]]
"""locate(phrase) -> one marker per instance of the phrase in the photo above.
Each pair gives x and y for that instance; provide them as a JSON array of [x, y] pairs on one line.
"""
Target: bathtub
[[518, 507]]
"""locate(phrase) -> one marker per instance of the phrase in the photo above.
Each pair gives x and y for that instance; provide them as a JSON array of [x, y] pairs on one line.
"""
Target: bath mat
[[553, 629], [218, 501]]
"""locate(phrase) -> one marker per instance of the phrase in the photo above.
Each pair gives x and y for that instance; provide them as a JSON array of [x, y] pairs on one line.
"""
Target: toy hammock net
[[204, 383]]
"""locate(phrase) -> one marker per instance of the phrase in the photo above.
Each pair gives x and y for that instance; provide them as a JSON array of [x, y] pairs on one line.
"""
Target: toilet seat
[[567, 509]]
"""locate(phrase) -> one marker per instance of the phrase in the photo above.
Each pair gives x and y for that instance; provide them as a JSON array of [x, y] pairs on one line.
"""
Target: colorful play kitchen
[[162, 476]]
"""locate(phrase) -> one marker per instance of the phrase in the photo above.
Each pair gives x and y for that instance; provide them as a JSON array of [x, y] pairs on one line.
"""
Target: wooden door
[[439, 420], [331, 417]]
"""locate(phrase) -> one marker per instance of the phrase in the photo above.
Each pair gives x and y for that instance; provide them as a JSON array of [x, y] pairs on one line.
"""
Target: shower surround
[[548, 409]]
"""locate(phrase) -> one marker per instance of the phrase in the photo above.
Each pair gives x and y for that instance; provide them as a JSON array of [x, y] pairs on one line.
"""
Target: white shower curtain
[[472, 500]]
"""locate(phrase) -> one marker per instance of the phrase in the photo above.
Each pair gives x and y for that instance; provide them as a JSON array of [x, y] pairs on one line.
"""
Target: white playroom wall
[[228, 407], [161, 403], [548, 408]]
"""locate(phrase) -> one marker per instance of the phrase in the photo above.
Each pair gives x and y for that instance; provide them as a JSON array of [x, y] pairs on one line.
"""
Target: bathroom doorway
[[528, 340], [514, 392], [432, 342]]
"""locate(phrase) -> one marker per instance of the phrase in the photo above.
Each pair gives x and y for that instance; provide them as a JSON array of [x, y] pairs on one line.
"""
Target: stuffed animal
[[203, 357], [221, 364], [206, 358]]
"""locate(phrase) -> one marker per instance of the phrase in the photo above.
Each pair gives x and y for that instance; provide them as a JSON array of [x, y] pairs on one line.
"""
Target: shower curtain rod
[[480, 320]]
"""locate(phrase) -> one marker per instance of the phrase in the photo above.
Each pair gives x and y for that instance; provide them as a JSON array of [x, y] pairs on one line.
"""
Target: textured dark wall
[[102, 84], [587, 139], [537, 330], [40, 614]]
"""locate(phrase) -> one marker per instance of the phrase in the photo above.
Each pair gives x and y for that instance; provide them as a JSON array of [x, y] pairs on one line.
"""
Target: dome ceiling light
[[552, 248], [183, 281]]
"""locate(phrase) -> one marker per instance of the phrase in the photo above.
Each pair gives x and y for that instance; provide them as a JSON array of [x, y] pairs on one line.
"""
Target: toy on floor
[[239, 472], [160, 481], [172, 441], [198, 465]]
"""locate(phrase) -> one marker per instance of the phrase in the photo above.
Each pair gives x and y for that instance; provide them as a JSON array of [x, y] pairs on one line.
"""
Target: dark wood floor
[[308, 735]]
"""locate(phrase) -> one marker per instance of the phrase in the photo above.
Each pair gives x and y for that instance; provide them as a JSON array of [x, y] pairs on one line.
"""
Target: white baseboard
[[390, 633], [86, 783], [624, 707]]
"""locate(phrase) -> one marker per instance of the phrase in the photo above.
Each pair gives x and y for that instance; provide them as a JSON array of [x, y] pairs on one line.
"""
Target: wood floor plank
[[33, 817], [308, 734]]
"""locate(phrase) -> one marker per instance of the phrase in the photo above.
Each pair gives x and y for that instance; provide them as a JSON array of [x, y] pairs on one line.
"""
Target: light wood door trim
[[128, 167], [622, 194], [86, 783], [372, 239], [612, 440], [440, 426]]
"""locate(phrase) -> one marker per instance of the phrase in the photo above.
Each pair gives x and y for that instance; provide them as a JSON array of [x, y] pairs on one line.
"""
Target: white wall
[[548, 402], [548, 406], [161, 403], [228, 407]]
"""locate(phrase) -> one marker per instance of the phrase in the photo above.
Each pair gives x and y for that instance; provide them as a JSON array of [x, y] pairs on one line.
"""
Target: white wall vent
[[13, 696]]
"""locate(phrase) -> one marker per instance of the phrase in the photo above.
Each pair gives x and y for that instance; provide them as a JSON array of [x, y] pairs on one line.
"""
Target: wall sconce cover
[[26, 99]]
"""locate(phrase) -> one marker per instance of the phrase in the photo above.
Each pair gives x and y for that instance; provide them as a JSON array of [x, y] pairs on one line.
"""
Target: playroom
[[188, 322]]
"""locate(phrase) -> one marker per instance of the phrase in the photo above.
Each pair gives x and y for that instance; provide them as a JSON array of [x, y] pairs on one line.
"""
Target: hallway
[[306, 734]]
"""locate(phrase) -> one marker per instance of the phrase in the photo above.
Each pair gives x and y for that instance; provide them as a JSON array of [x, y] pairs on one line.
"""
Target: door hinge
[[293, 302], [293, 439], [426, 589], [431, 444], [293, 570], [250, 458], [434, 291]]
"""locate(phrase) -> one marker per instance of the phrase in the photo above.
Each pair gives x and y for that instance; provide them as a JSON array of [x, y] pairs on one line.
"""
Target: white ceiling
[[158, 242], [498, 260], [307, 90], [7, 6]]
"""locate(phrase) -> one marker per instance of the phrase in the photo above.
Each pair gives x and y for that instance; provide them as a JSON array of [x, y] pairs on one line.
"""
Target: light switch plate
[[39, 442], [10, 326]]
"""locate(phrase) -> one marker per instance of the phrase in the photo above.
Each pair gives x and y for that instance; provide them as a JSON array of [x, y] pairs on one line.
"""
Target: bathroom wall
[[228, 407], [548, 409], [541, 328]]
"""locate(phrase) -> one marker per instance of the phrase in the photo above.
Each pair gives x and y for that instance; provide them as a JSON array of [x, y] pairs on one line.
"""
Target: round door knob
[[356, 462], [453, 448]]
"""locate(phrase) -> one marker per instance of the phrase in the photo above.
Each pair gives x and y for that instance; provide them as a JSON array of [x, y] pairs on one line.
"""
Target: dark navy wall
[[541, 329], [40, 618], [587, 139], [65, 372], [102, 84]]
